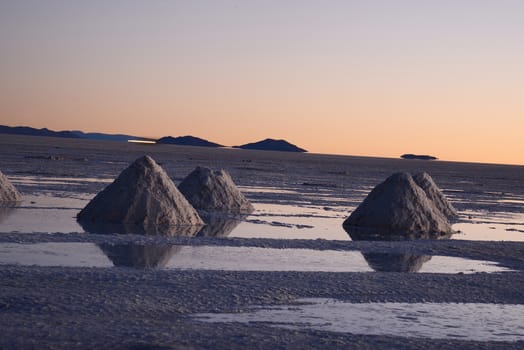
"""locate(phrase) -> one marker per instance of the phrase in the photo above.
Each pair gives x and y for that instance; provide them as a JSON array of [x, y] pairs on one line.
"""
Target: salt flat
[[130, 308]]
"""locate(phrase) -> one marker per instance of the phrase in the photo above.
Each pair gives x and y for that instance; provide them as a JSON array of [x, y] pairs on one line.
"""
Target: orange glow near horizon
[[373, 79]]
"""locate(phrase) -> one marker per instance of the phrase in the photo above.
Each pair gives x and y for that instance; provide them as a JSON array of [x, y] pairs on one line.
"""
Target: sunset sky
[[356, 77]]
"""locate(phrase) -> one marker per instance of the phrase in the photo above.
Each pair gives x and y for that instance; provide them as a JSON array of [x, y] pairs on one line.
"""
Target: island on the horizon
[[418, 156], [187, 141], [72, 134], [272, 145]]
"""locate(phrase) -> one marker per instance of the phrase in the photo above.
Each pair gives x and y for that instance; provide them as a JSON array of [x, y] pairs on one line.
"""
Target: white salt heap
[[424, 181], [399, 206], [8, 192], [143, 194], [212, 190]]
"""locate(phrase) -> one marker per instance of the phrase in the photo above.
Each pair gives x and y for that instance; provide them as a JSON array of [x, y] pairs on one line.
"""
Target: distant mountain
[[187, 141], [107, 137], [417, 156], [25, 130], [272, 145]]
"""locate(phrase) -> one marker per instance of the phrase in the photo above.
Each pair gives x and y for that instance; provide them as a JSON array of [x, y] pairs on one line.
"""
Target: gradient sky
[[377, 78]]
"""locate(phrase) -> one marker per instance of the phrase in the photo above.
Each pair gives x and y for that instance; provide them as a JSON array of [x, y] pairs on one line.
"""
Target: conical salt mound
[[143, 194], [8, 192], [212, 190], [424, 181], [398, 206]]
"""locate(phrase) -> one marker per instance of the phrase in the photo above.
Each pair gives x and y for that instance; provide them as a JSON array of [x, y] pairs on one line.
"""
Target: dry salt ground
[[291, 261]]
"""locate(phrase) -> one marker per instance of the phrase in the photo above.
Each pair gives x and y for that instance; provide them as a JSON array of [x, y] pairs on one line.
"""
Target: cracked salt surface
[[232, 258], [466, 321]]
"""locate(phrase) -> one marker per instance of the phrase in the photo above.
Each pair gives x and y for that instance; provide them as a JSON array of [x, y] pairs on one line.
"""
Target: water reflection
[[393, 262], [386, 262], [219, 225], [139, 256], [469, 321], [168, 256], [6, 210], [372, 234], [112, 228], [216, 226]]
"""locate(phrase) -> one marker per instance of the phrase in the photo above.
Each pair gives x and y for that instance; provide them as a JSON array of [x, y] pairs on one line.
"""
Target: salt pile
[[399, 206], [210, 190], [424, 181], [143, 194], [8, 192]]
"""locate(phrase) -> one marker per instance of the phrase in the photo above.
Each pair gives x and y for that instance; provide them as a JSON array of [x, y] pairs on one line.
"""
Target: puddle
[[258, 189], [232, 258], [292, 222], [33, 220], [55, 211], [512, 201], [489, 232], [54, 254], [44, 180], [468, 321], [484, 226]]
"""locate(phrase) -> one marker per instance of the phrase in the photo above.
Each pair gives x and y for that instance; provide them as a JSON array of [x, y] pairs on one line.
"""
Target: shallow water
[[54, 254], [232, 258], [479, 322], [55, 212], [45, 180]]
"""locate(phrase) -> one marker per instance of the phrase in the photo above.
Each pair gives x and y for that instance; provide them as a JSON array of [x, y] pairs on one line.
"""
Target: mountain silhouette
[[72, 134], [187, 141], [272, 145]]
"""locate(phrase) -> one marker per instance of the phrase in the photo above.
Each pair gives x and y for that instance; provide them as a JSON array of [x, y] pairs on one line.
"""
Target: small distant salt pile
[[143, 194], [424, 181], [210, 190], [8, 192], [399, 206]]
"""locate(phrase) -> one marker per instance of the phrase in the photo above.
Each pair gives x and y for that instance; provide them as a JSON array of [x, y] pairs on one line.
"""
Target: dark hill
[[272, 145], [417, 156], [25, 130], [107, 137], [187, 141]]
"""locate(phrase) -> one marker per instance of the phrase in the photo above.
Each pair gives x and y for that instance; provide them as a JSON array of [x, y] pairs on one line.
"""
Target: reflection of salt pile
[[399, 206], [219, 225], [140, 256], [8, 192], [388, 262], [214, 191], [143, 194]]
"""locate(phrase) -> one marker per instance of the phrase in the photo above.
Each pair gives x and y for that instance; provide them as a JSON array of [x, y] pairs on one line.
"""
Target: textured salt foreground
[[127, 308]]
